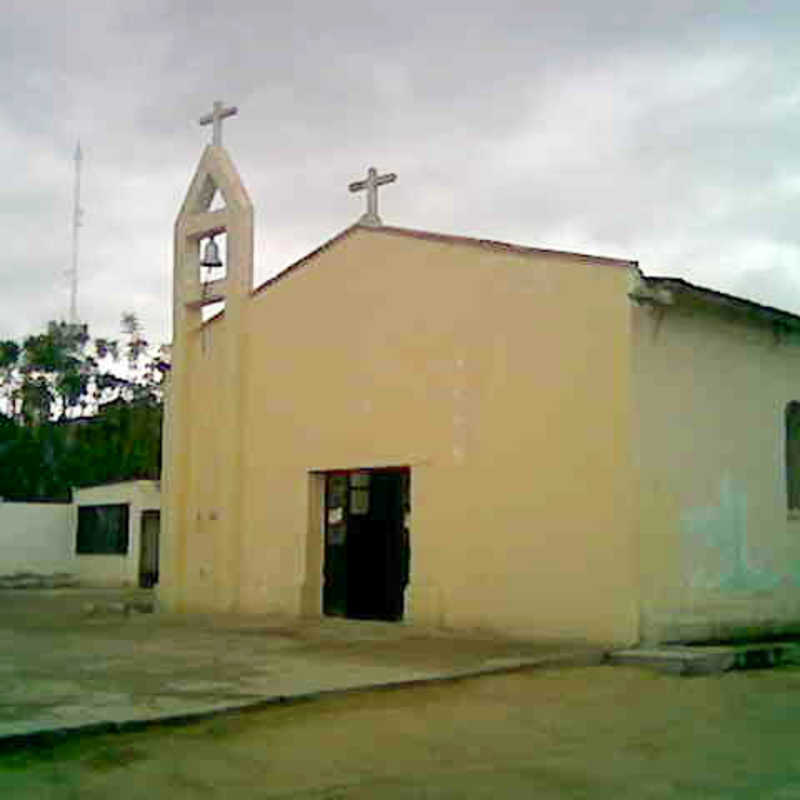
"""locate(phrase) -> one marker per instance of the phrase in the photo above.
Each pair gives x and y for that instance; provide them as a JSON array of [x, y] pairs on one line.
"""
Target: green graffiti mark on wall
[[716, 548]]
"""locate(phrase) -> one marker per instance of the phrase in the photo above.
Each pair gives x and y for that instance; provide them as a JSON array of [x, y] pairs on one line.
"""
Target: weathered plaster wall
[[502, 379], [35, 537], [113, 570], [201, 570], [719, 553]]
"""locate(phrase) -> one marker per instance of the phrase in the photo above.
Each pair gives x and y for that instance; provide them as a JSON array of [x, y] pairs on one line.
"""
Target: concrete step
[[126, 607], [30, 580], [706, 660]]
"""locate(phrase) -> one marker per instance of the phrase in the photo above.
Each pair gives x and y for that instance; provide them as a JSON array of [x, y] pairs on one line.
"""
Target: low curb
[[710, 660], [44, 737]]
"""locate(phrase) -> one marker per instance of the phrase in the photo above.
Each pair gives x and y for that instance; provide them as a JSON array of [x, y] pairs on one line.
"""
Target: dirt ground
[[591, 732]]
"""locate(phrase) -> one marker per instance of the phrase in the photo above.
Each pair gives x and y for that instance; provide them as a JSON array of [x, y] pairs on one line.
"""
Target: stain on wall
[[717, 554]]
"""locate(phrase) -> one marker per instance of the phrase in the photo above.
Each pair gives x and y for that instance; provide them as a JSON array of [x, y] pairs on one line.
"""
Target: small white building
[[107, 536], [115, 533]]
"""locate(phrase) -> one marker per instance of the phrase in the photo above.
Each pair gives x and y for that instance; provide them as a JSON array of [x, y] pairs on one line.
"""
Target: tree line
[[76, 411]]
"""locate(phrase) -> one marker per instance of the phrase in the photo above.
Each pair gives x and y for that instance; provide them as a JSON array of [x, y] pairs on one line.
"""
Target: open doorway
[[367, 545], [148, 558]]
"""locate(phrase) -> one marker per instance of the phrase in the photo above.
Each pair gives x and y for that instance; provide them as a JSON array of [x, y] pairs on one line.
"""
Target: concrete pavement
[[71, 660]]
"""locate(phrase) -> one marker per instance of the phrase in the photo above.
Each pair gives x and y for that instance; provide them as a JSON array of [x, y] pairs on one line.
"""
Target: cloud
[[661, 132]]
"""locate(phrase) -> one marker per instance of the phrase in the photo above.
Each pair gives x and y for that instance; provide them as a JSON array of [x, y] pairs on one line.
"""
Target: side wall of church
[[720, 553], [501, 379]]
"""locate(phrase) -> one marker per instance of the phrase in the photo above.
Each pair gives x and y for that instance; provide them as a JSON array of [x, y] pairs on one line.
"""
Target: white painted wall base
[[36, 538], [40, 538]]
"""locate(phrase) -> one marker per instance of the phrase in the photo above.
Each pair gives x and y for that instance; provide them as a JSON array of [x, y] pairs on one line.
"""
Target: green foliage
[[106, 348], [9, 354], [35, 399], [58, 350], [45, 447], [44, 462]]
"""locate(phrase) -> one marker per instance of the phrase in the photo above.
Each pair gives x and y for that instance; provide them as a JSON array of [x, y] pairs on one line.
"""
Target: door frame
[[312, 588]]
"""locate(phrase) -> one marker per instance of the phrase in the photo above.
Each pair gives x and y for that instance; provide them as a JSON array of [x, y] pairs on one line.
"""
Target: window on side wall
[[793, 456], [102, 530]]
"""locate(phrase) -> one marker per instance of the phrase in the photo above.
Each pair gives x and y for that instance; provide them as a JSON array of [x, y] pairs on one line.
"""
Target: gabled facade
[[452, 432]]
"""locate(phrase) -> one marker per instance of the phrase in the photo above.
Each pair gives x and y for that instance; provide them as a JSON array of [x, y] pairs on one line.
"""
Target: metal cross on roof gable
[[371, 184], [215, 120]]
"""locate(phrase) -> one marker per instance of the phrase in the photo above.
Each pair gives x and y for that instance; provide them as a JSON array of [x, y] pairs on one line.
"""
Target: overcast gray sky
[[666, 132]]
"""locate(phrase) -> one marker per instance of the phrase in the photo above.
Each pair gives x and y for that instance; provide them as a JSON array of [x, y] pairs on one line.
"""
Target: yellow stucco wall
[[719, 554], [502, 379]]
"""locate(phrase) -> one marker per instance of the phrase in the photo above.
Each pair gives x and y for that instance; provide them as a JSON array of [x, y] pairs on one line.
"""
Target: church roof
[[680, 289], [677, 287], [445, 238]]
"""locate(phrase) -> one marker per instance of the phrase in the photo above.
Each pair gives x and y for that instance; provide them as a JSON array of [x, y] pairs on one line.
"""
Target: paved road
[[594, 732]]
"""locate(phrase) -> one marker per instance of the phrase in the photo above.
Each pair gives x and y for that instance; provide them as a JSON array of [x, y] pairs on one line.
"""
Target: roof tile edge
[[437, 237]]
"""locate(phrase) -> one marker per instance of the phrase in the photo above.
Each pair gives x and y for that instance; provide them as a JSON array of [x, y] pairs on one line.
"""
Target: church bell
[[211, 255]]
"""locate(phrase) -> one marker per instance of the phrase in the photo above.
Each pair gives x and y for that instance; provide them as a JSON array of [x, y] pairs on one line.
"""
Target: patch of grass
[[218, 728], [96, 752], [112, 756], [29, 756]]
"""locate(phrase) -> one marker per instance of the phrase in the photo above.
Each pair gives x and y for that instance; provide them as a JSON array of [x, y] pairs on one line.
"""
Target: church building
[[455, 432]]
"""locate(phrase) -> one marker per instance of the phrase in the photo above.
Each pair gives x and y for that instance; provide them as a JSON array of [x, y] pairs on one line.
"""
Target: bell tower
[[186, 510]]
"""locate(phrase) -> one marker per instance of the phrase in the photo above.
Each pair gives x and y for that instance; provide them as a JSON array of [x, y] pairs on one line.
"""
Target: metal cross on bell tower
[[215, 120], [371, 184]]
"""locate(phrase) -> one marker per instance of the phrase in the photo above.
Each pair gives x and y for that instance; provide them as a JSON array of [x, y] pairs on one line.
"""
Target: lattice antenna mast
[[77, 215]]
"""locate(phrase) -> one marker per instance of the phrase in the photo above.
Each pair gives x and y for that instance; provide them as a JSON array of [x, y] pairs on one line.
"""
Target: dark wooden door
[[148, 558], [366, 544]]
